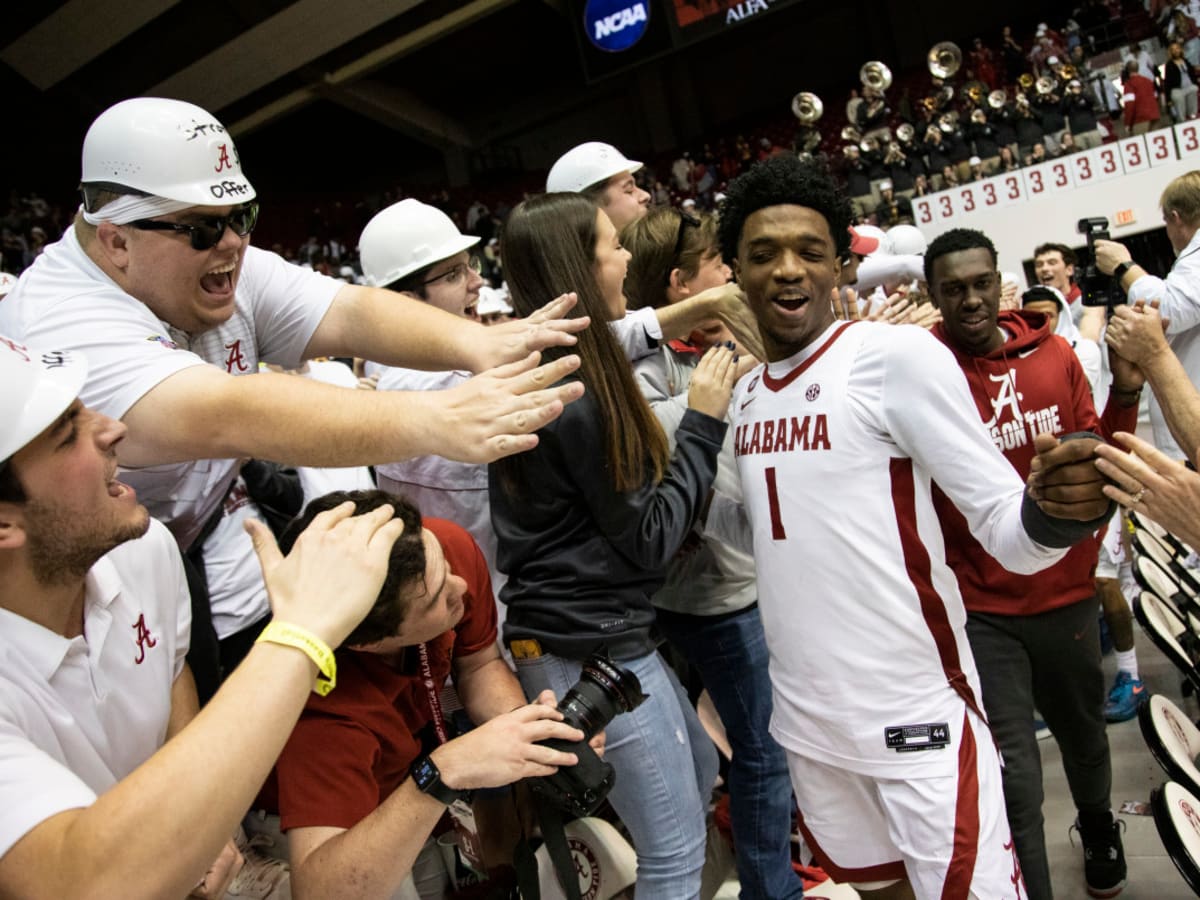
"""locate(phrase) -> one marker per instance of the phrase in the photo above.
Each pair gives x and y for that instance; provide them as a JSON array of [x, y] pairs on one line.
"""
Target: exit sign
[[1124, 217]]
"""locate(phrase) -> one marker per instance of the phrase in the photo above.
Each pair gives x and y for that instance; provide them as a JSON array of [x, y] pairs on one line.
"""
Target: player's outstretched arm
[[213, 415], [157, 831]]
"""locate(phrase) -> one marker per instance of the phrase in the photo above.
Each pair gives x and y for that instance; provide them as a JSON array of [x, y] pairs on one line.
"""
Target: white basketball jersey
[[837, 447]]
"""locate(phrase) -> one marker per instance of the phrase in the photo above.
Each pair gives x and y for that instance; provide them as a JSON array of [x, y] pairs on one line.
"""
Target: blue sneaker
[[1127, 694]]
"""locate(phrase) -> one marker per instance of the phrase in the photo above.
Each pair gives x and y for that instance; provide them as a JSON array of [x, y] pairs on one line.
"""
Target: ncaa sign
[[615, 25]]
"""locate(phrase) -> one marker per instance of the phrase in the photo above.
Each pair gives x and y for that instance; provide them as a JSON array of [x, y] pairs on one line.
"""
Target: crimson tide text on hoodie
[[1032, 383]]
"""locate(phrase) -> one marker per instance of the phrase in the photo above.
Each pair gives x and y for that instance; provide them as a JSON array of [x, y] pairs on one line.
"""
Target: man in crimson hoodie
[[1035, 638]]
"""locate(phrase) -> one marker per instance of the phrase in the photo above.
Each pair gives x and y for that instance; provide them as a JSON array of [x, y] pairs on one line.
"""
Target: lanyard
[[432, 689]]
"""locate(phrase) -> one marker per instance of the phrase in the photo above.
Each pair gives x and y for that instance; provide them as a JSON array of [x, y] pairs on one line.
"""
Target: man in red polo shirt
[[368, 770]]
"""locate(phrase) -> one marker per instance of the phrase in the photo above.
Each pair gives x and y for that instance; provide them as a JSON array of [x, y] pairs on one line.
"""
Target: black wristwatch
[[429, 780], [1121, 269]]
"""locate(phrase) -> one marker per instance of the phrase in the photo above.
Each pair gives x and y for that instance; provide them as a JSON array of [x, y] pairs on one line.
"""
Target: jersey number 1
[[777, 532]]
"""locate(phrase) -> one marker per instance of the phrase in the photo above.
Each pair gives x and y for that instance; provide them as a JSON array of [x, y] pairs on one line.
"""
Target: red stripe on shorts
[[890, 871], [961, 870]]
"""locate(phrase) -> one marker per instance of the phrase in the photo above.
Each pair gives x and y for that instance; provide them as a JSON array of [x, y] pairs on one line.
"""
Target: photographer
[[1178, 295], [352, 785]]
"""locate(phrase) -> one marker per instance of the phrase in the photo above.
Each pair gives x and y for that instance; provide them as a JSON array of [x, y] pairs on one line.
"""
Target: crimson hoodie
[[1032, 383]]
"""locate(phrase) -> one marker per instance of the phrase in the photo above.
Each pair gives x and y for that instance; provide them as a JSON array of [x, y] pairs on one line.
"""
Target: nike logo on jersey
[[745, 403]]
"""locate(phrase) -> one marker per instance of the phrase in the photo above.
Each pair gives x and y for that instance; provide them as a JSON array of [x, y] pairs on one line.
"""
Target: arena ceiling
[[439, 73]]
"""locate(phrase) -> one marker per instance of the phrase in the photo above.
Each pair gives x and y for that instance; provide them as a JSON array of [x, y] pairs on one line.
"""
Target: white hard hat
[[7, 282], [906, 240], [407, 236], [588, 164], [870, 231], [166, 148], [38, 387]]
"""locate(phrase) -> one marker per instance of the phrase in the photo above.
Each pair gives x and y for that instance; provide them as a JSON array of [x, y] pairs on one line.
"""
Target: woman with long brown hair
[[708, 608], [588, 520]]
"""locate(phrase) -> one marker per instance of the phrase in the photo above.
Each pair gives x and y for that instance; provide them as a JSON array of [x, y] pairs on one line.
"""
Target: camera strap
[[550, 820]]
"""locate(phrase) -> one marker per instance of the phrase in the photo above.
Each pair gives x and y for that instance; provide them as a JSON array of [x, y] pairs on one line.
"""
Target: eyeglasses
[[457, 273], [207, 232], [685, 219]]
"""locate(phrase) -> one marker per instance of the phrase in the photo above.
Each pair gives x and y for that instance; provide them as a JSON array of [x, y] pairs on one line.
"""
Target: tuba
[[944, 59], [875, 75], [807, 107]]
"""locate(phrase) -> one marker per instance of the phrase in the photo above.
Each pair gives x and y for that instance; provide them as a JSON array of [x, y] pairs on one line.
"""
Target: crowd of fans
[[921, 135], [652, 479]]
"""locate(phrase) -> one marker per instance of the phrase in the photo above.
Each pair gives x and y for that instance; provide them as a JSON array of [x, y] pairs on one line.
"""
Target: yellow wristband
[[313, 647]]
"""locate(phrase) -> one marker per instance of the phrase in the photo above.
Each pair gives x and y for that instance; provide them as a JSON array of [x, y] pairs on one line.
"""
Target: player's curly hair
[[784, 180], [953, 241]]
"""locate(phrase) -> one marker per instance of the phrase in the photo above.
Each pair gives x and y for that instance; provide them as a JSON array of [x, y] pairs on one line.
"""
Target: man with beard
[[156, 278], [94, 626], [846, 425], [1034, 638]]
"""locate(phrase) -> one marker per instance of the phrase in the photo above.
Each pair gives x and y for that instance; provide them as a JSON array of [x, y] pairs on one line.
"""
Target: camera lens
[[603, 690]]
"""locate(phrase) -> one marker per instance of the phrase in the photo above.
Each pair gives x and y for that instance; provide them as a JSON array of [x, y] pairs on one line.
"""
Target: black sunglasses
[[685, 219], [206, 233]]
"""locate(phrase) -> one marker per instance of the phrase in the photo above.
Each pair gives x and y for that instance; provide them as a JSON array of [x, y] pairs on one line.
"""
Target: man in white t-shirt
[[839, 438], [94, 623], [157, 284]]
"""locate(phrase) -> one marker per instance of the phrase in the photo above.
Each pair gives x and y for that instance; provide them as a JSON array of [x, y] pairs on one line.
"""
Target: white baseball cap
[[871, 232], [588, 164], [906, 240], [38, 387]]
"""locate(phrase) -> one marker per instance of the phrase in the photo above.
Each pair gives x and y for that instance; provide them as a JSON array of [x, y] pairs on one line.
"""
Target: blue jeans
[[730, 653], [666, 767]]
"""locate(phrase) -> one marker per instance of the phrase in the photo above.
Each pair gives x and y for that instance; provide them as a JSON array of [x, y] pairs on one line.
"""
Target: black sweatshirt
[[583, 560]]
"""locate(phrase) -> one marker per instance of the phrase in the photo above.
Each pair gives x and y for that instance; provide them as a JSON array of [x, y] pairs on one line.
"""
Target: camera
[[604, 689], [1098, 289]]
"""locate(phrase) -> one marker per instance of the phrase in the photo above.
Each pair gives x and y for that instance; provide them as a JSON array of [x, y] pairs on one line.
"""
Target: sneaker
[[1127, 694], [261, 877], [1040, 729], [1103, 856]]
